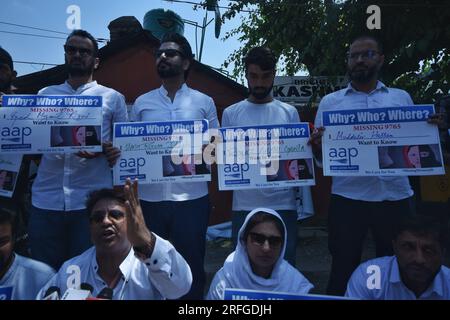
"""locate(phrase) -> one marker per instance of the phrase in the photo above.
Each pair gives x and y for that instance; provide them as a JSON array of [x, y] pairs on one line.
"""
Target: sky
[[95, 17]]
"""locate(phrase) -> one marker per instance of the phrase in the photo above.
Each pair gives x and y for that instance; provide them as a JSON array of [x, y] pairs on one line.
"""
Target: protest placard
[[160, 152], [266, 156], [50, 124], [392, 141]]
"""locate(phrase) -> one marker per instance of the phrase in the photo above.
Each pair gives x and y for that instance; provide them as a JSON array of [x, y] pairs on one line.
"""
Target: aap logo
[[343, 156], [236, 171], [131, 166], [14, 136]]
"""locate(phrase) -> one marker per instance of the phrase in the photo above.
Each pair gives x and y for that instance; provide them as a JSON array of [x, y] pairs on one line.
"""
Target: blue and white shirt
[[27, 277], [390, 285], [379, 188]]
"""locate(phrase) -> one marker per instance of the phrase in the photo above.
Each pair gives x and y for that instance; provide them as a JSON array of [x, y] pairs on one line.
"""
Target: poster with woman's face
[[410, 156], [9, 170], [68, 136], [293, 169]]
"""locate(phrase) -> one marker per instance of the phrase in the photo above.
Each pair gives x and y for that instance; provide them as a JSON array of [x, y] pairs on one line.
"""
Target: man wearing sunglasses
[[126, 257], [358, 204], [59, 223], [177, 211]]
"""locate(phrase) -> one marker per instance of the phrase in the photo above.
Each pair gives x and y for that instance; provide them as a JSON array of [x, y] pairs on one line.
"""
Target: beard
[[363, 74], [166, 70], [260, 92], [80, 70], [5, 84]]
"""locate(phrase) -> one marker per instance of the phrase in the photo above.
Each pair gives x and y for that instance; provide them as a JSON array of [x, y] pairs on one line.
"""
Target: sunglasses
[[169, 53], [71, 50], [260, 240], [365, 55], [99, 216]]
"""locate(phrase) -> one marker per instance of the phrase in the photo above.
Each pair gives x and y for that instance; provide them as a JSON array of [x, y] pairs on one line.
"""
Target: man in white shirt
[[59, 224], [127, 257], [261, 109], [24, 275], [361, 203], [17, 202], [177, 211], [414, 272]]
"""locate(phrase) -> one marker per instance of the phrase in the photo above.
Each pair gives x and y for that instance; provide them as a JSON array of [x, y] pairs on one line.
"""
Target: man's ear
[[186, 64], [14, 75], [96, 63]]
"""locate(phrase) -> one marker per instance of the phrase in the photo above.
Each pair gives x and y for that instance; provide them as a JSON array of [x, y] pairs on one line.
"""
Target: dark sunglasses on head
[[71, 50], [99, 216], [260, 239], [169, 53]]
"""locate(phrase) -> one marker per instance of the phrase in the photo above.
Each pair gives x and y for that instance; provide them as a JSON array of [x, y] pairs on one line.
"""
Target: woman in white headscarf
[[257, 263]]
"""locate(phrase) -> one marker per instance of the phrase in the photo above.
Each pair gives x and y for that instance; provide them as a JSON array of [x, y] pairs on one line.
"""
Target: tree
[[314, 35]]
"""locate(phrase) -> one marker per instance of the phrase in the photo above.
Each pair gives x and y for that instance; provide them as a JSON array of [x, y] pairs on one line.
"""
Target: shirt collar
[[125, 267], [380, 87], [436, 286], [164, 92], [12, 269], [82, 87]]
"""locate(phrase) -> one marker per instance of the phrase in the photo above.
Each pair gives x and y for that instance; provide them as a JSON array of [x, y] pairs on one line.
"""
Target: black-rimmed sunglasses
[[71, 50], [169, 53], [260, 239]]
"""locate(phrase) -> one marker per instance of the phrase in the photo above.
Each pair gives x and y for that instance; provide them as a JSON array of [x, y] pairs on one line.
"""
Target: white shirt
[[245, 113], [166, 275], [64, 180], [391, 286], [188, 104], [379, 188], [26, 276]]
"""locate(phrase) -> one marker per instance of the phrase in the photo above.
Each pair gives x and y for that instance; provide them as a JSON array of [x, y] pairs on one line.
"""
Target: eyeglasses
[[71, 50], [99, 216], [260, 240], [365, 55], [169, 53]]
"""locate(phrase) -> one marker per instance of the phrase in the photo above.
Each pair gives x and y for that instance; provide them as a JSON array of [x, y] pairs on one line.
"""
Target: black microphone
[[52, 293], [87, 287], [106, 294]]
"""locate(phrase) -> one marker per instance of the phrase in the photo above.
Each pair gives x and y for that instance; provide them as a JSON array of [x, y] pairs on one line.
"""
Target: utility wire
[[34, 28], [41, 63], [31, 34]]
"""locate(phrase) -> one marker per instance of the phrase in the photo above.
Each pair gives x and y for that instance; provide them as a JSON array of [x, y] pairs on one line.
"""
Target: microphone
[[105, 294], [52, 293], [83, 293], [86, 286]]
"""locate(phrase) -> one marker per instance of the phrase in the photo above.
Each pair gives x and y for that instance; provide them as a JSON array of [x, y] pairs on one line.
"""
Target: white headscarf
[[237, 272]]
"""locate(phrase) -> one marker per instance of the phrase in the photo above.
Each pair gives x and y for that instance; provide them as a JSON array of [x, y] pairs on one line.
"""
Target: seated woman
[[257, 263]]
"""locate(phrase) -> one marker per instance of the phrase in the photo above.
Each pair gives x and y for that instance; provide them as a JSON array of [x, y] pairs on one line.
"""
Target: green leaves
[[315, 35]]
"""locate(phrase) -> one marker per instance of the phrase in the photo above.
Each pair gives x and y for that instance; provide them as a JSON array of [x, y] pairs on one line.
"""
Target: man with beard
[[260, 108], [17, 203], [414, 272], [59, 223], [7, 73], [358, 204], [24, 275], [177, 211]]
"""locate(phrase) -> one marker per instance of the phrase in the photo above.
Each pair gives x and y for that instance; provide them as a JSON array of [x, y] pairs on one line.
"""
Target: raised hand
[[139, 235]]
